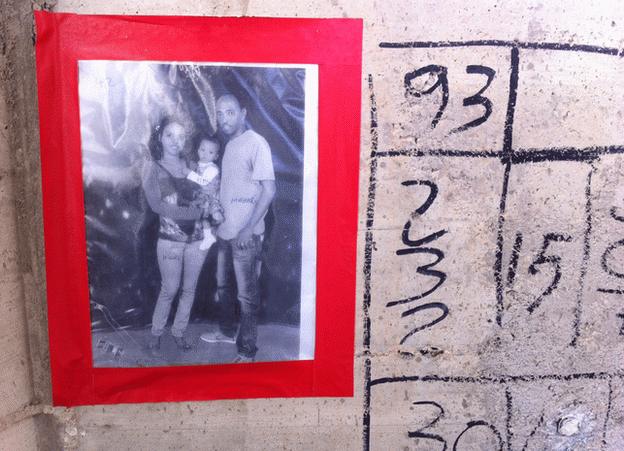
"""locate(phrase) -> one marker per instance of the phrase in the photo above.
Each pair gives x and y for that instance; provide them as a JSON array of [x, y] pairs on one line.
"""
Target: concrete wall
[[539, 368]]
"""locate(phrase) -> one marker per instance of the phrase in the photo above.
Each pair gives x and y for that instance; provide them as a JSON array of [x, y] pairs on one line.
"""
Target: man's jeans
[[177, 260], [240, 267]]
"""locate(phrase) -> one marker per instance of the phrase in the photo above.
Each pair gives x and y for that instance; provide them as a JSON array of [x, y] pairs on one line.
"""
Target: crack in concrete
[[19, 415]]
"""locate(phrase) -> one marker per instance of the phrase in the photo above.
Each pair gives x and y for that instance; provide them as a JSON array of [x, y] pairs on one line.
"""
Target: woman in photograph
[[180, 255]]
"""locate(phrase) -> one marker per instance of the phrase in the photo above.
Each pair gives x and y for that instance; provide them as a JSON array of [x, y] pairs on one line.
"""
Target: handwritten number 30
[[441, 74]]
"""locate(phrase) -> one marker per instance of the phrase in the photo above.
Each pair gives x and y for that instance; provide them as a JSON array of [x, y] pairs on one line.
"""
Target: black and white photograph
[[200, 195]]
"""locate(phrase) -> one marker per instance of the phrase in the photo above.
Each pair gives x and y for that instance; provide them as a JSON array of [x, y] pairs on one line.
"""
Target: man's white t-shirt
[[246, 161]]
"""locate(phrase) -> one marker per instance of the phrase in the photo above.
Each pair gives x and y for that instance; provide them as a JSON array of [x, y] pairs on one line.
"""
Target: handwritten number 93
[[441, 74]]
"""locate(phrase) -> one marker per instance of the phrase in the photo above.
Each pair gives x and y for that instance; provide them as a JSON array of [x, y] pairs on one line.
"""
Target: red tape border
[[336, 46]]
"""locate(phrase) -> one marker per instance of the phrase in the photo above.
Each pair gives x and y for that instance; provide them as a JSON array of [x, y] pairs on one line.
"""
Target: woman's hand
[[205, 211], [197, 203]]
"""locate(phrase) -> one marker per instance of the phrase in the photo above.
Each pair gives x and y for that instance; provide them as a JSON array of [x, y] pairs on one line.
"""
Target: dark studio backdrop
[[117, 120]]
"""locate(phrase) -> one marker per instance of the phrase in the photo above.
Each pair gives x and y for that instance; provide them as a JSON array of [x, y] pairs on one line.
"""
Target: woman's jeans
[[240, 267], [177, 261]]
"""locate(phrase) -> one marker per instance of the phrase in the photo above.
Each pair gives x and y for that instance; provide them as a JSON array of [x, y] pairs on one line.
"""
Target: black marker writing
[[513, 262], [478, 99], [473, 424], [553, 260], [606, 258], [426, 270], [442, 81], [441, 74], [621, 316], [424, 435]]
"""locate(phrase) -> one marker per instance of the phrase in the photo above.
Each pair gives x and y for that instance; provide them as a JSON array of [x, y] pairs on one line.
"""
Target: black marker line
[[513, 262], [614, 214], [502, 43], [621, 316], [578, 310], [367, 405], [610, 290], [370, 214], [503, 379], [368, 257], [518, 156], [564, 154], [537, 426], [607, 415], [509, 406], [507, 153], [439, 153]]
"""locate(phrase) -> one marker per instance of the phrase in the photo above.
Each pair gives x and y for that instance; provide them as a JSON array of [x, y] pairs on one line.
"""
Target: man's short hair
[[233, 97]]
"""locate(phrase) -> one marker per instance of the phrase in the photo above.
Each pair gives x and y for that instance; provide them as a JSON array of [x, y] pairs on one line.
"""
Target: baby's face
[[207, 151]]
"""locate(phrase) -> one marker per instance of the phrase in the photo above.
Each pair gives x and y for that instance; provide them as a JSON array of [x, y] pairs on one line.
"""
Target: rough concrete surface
[[512, 340]]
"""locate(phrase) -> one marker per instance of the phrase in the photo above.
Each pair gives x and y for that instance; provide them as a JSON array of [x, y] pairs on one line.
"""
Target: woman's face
[[172, 138]]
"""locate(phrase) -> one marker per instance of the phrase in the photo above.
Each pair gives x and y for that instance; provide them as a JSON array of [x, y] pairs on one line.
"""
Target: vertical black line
[[498, 264], [370, 214], [607, 415], [367, 405], [368, 257], [578, 310], [513, 262], [511, 103], [507, 153], [509, 405]]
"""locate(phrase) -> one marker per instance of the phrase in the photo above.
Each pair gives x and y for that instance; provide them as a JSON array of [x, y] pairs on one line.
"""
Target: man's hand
[[244, 239], [217, 217]]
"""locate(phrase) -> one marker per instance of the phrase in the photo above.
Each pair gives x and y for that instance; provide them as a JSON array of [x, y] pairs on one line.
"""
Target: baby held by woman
[[207, 175]]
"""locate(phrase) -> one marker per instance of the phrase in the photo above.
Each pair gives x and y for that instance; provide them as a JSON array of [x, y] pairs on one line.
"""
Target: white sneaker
[[216, 337], [243, 359]]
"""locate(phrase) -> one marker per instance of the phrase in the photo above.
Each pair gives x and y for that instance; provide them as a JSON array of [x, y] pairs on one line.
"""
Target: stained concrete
[[540, 380]]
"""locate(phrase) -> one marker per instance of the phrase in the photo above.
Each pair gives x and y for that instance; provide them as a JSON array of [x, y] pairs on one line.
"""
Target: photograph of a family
[[200, 185]]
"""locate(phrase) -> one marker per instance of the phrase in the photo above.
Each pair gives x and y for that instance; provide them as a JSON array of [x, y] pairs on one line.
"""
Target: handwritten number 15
[[441, 74]]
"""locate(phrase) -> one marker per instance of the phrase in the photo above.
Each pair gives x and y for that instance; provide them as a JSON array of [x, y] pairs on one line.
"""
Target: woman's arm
[[151, 187]]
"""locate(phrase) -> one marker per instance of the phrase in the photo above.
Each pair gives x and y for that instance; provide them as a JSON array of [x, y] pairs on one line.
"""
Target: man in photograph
[[247, 189]]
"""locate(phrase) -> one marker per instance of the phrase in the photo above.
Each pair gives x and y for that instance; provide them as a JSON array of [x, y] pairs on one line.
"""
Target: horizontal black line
[[497, 379], [518, 156], [438, 152], [501, 43], [564, 154], [610, 291]]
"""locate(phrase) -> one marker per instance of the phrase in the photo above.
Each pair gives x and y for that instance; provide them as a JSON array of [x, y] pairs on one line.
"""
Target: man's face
[[230, 116]]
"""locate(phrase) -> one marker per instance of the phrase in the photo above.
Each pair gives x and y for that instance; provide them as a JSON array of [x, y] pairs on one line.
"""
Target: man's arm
[[244, 237]]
